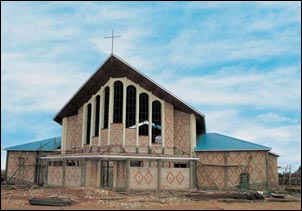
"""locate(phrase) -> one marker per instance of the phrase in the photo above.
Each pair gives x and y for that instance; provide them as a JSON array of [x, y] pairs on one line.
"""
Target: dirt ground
[[100, 199]]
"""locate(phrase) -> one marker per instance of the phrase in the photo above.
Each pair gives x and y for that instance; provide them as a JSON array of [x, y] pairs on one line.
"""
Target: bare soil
[[100, 199]]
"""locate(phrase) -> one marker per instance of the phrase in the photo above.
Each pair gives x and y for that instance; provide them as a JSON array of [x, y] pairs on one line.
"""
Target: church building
[[121, 130]]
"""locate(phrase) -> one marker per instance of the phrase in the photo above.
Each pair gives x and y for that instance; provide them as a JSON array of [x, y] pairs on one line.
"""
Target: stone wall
[[130, 139], [116, 134], [74, 130], [91, 173], [273, 170], [55, 176], [27, 161], [175, 178], [104, 137], [143, 178], [169, 125], [121, 175], [143, 141], [73, 176], [182, 131], [212, 173]]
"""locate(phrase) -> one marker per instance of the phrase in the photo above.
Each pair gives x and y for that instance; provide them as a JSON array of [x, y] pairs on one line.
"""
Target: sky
[[239, 63]]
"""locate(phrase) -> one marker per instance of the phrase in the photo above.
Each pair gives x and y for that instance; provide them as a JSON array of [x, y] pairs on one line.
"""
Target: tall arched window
[[143, 114], [106, 106], [97, 115], [88, 123], [118, 102], [156, 122], [130, 106]]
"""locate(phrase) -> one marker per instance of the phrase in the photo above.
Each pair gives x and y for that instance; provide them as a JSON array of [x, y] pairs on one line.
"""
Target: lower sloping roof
[[43, 145], [219, 142]]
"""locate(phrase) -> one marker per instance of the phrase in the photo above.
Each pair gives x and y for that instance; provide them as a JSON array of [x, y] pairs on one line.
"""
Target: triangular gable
[[115, 67]]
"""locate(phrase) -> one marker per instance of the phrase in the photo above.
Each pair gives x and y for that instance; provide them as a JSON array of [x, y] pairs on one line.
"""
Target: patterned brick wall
[[73, 140], [55, 175], [121, 174], [212, 177], [95, 141], [104, 137], [27, 171], [73, 176], [130, 139], [175, 178], [143, 141], [116, 134], [273, 170], [182, 131], [169, 125], [143, 178], [91, 173]]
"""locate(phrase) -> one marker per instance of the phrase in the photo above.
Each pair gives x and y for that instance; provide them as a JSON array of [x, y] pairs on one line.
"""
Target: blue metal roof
[[44, 145], [219, 142]]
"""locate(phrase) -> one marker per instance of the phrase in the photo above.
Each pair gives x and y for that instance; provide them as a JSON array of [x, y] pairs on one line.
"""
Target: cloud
[[278, 88], [37, 85]]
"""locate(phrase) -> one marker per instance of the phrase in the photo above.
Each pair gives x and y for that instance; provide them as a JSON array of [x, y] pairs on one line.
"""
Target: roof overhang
[[118, 157], [114, 67], [231, 150]]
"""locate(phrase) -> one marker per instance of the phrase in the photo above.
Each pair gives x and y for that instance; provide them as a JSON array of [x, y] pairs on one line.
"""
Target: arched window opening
[[143, 114], [130, 107], [88, 124], [118, 102], [106, 106], [97, 115], [156, 122]]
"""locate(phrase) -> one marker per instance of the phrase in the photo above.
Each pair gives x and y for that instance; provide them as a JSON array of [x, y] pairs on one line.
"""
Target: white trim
[[222, 150], [119, 156]]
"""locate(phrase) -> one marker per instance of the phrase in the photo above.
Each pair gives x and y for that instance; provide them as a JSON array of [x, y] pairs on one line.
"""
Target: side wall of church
[[221, 170]]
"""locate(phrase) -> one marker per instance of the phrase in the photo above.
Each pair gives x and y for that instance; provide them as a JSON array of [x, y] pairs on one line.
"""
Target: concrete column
[[64, 134], [267, 171], [192, 132], [83, 164], [84, 124], [45, 171], [114, 185], [225, 170], [127, 174], [101, 120], [191, 174], [125, 84], [150, 119], [98, 174], [110, 119], [159, 166], [64, 172], [92, 119], [163, 123]]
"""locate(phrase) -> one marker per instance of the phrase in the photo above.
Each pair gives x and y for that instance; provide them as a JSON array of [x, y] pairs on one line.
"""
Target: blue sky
[[239, 63]]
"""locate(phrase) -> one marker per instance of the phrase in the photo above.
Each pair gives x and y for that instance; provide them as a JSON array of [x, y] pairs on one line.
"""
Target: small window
[[180, 165], [88, 124], [134, 163], [73, 163]]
